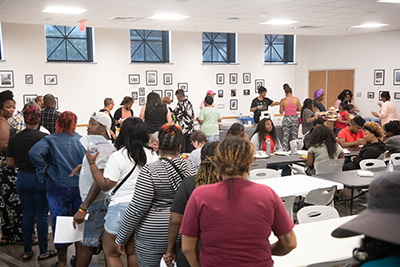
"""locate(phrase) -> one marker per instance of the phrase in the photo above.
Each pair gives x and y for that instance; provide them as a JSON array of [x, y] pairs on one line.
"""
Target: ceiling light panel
[[64, 10], [168, 17]]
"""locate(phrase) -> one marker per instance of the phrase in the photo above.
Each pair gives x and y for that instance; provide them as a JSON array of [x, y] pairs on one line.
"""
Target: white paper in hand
[[65, 232]]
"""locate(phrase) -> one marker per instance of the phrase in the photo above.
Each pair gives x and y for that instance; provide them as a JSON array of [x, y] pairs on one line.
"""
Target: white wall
[[364, 53], [82, 87]]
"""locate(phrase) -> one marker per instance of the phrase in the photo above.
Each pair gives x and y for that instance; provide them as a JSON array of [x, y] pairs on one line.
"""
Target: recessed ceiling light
[[168, 16], [279, 22], [389, 1], [63, 10], [370, 25]]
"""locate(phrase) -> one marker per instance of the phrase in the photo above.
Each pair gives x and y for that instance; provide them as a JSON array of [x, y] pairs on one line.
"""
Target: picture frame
[[246, 91], [142, 91], [220, 93], [167, 79], [28, 78], [396, 95], [142, 101], [56, 99], [371, 95], [50, 79], [220, 78], [151, 77], [158, 92], [183, 86], [135, 95], [379, 77], [247, 77], [6, 79], [233, 104], [220, 106], [396, 77], [170, 94], [28, 98], [233, 92], [233, 77], [134, 78], [258, 83]]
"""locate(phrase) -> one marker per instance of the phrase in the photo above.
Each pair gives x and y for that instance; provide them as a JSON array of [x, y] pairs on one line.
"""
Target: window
[[219, 47], [279, 48], [68, 43], [149, 46]]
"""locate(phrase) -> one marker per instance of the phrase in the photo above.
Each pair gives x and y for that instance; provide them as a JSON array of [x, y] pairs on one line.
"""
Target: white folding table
[[315, 244], [297, 185]]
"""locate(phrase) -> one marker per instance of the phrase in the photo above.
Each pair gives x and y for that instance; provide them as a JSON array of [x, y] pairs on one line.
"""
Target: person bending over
[[199, 139]]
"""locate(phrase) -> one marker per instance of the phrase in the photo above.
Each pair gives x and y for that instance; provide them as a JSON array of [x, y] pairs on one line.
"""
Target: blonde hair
[[374, 128]]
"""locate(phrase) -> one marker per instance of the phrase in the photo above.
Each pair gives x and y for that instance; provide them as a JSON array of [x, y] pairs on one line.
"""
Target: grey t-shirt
[[307, 113], [393, 144], [195, 157], [321, 153]]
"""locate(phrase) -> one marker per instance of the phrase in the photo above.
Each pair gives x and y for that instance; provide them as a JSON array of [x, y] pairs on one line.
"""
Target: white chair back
[[316, 213], [383, 155], [395, 157], [259, 164], [263, 174], [371, 163], [288, 202], [329, 166]]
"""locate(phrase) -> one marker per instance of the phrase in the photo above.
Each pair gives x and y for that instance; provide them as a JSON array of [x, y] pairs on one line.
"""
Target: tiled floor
[[10, 256]]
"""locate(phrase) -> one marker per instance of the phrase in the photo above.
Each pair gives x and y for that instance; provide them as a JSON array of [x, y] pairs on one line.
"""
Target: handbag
[[109, 197]]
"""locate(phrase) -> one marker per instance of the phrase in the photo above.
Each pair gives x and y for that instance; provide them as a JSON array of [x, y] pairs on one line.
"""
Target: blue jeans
[[34, 203], [286, 170]]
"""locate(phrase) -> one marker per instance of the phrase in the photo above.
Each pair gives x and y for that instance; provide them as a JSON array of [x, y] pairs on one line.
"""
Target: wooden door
[[316, 80], [338, 80]]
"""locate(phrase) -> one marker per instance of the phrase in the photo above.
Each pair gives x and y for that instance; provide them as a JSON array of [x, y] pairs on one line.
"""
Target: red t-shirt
[[264, 145], [340, 125], [350, 137], [235, 232]]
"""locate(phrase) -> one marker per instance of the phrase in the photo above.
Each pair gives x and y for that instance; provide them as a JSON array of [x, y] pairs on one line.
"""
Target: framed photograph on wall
[[259, 82], [158, 92], [50, 79], [233, 78], [379, 77], [28, 98], [396, 95], [134, 78], [29, 79], [246, 78], [151, 77], [234, 104], [220, 93], [6, 79], [396, 77], [170, 94], [220, 78], [183, 86], [142, 91], [246, 91], [233, 92], [142, 100], [167, 78], [371, 95], [135, 95]]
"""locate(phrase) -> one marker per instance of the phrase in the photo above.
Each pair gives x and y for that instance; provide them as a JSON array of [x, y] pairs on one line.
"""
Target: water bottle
[[390, 166], [268, 147], [294, 147], [339, 116], [92, 148]]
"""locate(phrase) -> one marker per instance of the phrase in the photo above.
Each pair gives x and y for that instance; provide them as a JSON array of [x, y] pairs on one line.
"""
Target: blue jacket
[[56, 155]]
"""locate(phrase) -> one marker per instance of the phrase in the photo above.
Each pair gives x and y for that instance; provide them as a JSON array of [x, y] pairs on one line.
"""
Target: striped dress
[[149, 211]]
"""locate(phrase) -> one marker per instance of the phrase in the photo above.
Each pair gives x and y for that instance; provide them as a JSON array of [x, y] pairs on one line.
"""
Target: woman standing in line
[[125, 164], [290, 123], [10, 207], [209, 118], [155, 113], [148, 213], [31, 192], [307, 116], [125, 111], [345, 95], [388, 110], [318, 98]]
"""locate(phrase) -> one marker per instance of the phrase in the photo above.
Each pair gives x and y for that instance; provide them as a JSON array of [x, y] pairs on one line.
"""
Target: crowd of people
[[145, 199]]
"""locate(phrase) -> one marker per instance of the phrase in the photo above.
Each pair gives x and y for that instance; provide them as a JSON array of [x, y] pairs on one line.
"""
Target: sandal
[[35, 241], [50, 254], [4, 241], [27, 256]]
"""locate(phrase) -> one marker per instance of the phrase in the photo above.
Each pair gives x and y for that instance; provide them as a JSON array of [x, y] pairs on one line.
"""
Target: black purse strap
[[175, 167], [123, 181]]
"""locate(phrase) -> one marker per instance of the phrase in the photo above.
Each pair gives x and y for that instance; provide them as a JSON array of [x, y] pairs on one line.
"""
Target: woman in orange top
[[125, 111], [290, 123]]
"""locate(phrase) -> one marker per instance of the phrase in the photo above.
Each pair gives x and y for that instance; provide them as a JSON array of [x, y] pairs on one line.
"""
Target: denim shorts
[[114, 217], [94, 225]]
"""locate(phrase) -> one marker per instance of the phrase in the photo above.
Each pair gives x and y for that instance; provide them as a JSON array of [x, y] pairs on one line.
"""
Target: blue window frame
[[149, 46], [68, 44], [279, 48], [219, 47]]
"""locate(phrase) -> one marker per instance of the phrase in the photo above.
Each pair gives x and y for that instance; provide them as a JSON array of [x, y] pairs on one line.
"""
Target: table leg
[[351, 201]]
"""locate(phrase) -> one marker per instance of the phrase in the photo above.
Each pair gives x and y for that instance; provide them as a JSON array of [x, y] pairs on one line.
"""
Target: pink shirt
[[202, 105], [337, 103], [290, 109], [235, 231], [388, 112]]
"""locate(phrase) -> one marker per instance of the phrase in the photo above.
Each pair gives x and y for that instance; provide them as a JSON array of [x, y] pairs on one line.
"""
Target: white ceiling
[[326, 17]]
